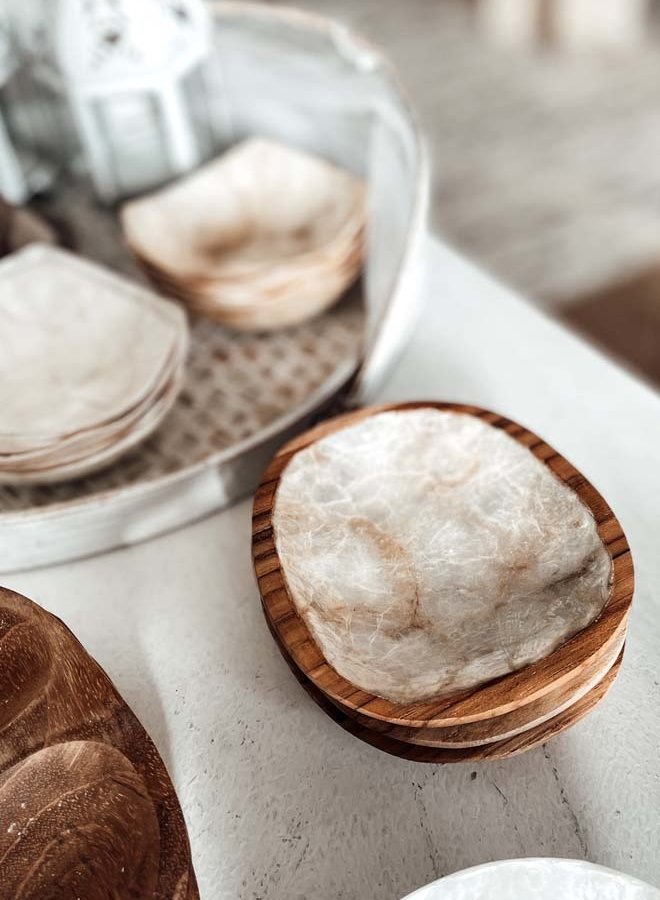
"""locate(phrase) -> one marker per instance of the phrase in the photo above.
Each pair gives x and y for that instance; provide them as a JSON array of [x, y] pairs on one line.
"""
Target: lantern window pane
[[132, 134], [196, 97]]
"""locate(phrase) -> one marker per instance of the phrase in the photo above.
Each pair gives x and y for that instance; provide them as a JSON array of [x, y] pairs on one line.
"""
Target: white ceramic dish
[[260, 207], [84, 346], [93, 365], [537, 879]]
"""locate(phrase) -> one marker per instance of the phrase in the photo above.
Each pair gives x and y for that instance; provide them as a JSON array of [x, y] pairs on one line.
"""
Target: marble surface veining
[[429, 552]]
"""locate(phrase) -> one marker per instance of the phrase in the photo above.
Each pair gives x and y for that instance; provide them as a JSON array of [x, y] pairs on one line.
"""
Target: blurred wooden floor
[[624, 320], [546, 165]]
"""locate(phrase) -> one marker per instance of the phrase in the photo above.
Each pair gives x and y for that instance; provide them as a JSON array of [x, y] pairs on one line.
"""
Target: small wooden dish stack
[[495, 719]]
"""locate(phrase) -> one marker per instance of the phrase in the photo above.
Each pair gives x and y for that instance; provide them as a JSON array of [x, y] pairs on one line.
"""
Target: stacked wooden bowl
[[262, 238], [92, 365], [88, 807], [496, 718]]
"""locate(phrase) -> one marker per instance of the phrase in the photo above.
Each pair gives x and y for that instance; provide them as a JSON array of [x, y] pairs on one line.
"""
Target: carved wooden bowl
[[502, 716], [87, 808]]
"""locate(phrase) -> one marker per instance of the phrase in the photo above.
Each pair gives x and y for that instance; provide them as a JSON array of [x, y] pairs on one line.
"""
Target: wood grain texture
[[488, 731], [87, 808], [498, 698], [82, 824], [501, 749]]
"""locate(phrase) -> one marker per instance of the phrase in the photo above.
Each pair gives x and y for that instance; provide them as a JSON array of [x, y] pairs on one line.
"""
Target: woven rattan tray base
[[236, 386]]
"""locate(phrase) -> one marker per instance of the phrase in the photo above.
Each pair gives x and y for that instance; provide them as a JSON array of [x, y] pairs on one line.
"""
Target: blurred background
[[542, 118], [543, 122]]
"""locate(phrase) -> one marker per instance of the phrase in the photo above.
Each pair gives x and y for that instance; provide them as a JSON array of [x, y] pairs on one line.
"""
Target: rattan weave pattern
[[236, 385]]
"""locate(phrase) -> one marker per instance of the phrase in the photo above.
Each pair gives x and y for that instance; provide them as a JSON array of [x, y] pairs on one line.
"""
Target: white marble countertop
[[280, 802]]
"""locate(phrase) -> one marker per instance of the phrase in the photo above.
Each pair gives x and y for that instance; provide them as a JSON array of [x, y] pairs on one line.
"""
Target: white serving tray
[[310, 82]]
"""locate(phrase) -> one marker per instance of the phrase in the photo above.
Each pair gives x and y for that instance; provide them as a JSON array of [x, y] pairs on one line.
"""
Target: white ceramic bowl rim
[[579, 865]]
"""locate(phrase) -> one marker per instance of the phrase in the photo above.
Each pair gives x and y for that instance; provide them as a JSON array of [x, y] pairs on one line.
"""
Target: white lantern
[[13, 184], [29, 156], [133, 71]]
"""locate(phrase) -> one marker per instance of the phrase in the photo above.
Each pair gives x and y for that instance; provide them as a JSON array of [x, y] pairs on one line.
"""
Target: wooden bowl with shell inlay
[[495, 749], [440, 579]]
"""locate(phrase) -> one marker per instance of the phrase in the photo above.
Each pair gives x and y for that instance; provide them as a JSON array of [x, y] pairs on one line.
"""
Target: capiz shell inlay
[[428, 552]]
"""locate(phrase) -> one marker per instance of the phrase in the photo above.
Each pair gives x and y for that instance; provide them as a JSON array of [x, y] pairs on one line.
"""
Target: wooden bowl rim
[[475, 734], [454, 738], [500, 749], [492, 699]]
